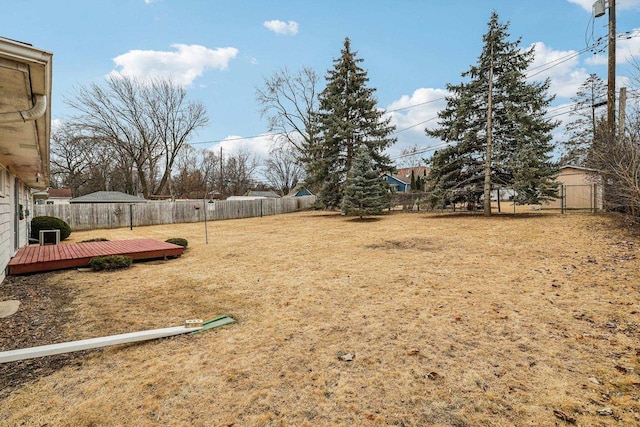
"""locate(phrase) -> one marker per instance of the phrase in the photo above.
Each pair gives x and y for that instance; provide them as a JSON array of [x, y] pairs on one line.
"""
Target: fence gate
[[585, 197]]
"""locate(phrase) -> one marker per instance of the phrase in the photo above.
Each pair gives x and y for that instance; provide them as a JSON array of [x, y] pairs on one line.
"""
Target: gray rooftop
[[108, 197]]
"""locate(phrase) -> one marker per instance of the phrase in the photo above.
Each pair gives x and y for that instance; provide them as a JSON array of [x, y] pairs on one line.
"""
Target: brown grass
[[454, 320]]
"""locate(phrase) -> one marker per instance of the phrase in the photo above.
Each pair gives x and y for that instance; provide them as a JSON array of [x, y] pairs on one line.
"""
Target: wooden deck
[[34, 259]]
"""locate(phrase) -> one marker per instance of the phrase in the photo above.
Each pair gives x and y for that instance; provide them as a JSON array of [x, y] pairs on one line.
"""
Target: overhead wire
[[548, 65]]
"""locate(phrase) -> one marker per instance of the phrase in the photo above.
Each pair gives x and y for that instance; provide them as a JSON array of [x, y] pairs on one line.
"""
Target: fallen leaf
[[605, 411], [348, 357], [564, 416], [623, 369], [433, 375]]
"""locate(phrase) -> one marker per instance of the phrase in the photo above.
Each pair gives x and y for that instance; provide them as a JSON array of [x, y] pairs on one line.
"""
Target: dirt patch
[[43, 312], [412, 243]]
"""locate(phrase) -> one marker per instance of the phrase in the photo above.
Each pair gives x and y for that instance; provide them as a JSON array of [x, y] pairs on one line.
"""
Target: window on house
[[49, 202]]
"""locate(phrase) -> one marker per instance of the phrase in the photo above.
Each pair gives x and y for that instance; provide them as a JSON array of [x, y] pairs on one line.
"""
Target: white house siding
[[7, 214], [6, 219]]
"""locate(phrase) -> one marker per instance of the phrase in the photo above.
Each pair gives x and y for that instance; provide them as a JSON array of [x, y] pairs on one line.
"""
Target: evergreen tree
[[497, 105], [348, 119], [583, 129], [365, 192]]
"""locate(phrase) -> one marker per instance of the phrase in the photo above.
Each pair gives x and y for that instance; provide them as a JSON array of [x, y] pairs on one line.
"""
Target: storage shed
[[580, 189]]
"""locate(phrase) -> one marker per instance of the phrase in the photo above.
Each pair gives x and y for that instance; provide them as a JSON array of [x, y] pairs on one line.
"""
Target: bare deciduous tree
[[195, 172], [239, 168], [289, 102], [71, 158], [281, 169], [145, 123]]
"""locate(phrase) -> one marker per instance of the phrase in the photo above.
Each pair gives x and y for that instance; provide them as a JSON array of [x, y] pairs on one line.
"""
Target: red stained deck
[[34, 259]]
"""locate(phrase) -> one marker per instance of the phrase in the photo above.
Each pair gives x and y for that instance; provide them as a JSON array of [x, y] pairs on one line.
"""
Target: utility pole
[[611, 79], [221, 173], [598, 11], [623, 111]]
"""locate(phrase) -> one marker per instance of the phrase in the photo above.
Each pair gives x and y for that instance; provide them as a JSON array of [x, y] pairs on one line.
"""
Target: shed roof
[[579, 168], [108, 197], [59, 192], [271, 194]]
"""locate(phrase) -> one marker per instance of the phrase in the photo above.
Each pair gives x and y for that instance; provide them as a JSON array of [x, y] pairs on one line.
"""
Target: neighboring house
[[231, 198], [580, 188], [418, 171], [108, 197], [25, 128], [266, 194], [299, 191], [506, 194], [53, 196], [397, 183]]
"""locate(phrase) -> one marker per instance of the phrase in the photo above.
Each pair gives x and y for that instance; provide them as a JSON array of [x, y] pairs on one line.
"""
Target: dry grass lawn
[[450, 320]]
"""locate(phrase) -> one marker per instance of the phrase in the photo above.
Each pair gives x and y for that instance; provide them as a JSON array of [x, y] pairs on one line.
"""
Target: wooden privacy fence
[[113, 215]]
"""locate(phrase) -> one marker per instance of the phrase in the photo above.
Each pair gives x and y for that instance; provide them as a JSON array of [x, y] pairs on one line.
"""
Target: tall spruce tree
[[348, 119], [365, 192], [583, 130], [496, 112]]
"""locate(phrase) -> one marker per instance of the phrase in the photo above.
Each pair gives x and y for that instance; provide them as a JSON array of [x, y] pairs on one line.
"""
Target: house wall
[[6, 220], [8, 212], [53, 201]]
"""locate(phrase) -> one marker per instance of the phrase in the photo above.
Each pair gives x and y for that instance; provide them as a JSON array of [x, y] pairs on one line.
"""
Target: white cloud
[[283, 28], [183, 66], [587, 5], [258, 147], [561, 67], [413, 114], [55, 125]]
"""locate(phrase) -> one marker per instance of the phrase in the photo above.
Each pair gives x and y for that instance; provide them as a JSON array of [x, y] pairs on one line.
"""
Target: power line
[[414, 105], [551, 64]]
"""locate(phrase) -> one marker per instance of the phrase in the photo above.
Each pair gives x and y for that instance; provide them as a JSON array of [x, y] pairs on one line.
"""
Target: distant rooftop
[[108, 197]]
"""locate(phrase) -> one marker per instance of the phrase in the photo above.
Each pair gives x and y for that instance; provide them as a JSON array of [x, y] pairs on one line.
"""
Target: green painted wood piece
[[214, 323]]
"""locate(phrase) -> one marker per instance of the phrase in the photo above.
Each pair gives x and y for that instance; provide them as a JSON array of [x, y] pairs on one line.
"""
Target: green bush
[[49, 223], [96, 239], [178, 241], [110, 262]]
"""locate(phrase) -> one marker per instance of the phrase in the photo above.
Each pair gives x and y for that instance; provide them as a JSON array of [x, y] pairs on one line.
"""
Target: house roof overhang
[[25, 111]]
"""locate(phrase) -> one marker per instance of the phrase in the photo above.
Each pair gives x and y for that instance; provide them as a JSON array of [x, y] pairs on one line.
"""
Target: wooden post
[[623, 111], [611, 73], [206, 206], [131, 217]]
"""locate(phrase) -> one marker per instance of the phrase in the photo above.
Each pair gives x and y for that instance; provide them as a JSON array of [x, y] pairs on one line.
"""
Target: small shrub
[[96, 239], [178, 241], [110, 262], [49, 223]]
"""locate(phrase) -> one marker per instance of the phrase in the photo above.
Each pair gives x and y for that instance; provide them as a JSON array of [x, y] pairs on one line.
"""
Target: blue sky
[[222, 50]]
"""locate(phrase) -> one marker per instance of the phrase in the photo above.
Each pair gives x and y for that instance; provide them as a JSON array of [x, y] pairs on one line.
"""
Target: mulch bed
[[39, 320]]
